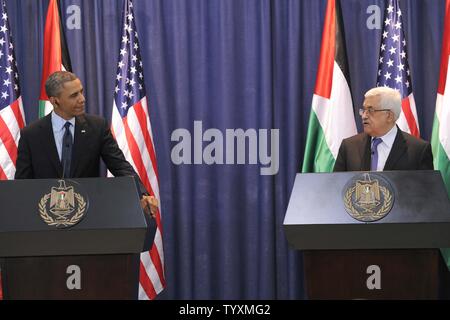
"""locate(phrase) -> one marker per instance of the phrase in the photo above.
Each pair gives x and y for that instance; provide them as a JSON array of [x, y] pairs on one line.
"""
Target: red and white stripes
[[408, 120], [12, 119], [134, 137]]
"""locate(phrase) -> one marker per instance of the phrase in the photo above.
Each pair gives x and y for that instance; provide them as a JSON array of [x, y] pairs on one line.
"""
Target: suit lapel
[[81, 136], [48, 141], [364, 153], [397, 151]]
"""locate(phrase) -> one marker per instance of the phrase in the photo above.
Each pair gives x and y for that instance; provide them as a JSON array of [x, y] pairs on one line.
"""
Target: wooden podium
[[98, 258], [396, 257]]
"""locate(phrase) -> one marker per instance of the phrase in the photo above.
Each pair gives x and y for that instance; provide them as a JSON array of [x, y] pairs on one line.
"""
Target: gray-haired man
[[383, 146]]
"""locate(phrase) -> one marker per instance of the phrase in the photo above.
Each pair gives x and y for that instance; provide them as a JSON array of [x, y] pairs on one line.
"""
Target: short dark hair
[[56, 80]]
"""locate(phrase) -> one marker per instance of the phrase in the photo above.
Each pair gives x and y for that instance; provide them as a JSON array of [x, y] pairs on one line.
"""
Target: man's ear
[[391, 116], [54, 102]]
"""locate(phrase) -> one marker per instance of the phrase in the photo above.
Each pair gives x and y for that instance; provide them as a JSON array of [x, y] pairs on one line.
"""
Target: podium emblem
[[63, 207], [368, 197]]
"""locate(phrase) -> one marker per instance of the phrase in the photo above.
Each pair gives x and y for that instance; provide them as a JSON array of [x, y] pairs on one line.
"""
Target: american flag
[[393, 68], [132, 129], [12, 117]]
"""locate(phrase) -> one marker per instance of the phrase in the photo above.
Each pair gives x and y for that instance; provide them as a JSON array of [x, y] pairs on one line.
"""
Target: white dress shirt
[[58, 130]]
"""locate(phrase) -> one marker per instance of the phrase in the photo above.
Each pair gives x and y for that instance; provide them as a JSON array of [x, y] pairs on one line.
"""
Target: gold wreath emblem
[[63, 221], [373, 215]]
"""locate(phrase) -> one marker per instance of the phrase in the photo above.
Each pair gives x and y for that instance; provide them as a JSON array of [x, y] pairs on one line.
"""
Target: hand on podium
[[150, 205]]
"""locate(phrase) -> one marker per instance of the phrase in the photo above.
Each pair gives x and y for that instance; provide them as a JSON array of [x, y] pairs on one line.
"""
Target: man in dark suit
[[69, 143], [383, 146]]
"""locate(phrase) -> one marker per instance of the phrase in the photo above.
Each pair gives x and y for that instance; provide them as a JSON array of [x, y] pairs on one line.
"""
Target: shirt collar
[[58, 122], [389, 137]]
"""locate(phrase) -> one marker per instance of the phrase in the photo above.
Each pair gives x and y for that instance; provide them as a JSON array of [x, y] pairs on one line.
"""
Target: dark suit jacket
[[38, 157], [407, 153]]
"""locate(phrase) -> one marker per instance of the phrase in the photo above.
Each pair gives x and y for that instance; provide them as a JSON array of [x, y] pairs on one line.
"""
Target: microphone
[[64, 161], [64, 171], [66, 152], [64, 165]]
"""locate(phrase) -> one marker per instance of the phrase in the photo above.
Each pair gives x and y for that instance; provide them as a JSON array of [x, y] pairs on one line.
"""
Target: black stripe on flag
[[65, 57], [340, 55]]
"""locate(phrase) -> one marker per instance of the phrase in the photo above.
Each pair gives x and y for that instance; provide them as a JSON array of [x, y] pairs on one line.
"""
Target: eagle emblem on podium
[[368, 197], [63, 207]]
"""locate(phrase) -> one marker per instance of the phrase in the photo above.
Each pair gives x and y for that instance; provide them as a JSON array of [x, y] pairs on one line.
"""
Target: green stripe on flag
[[42, 108], [441, 160], [445, 252], [442, 163], [318, 157]]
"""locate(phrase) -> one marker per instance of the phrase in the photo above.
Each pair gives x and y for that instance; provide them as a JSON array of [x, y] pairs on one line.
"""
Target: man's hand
[[150, 205]]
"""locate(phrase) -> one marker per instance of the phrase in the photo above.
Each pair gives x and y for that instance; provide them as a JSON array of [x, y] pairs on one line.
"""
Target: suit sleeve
[[426, 160], [341, 163], [115, 160], [24, 169]]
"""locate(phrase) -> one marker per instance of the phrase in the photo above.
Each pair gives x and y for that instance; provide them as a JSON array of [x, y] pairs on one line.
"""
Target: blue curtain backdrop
[[230, 64]]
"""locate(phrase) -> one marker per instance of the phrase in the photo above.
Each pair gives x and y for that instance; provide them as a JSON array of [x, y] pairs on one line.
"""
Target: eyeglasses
[[371, 111]]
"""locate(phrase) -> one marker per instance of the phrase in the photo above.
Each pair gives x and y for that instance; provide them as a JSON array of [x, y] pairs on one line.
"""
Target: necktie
[[66, 154], [374, 157]]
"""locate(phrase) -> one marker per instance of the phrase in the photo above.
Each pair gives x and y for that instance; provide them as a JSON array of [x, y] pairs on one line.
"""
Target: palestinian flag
[[56, 55], [332, 118], [440, 138]]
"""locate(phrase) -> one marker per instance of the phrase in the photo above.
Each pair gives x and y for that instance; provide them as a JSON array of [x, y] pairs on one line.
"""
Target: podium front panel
[[114, 222], [420, 217]]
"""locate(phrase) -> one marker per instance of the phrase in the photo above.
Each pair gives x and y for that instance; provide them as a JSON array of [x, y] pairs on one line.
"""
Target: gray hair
[[56, 80], [389, 99]]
